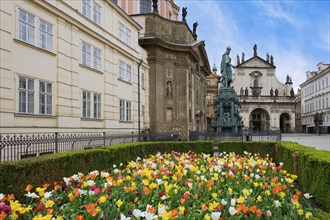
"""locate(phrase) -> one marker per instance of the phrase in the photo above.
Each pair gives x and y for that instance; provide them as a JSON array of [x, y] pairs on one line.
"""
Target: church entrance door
[[259, 120], [285, 123]]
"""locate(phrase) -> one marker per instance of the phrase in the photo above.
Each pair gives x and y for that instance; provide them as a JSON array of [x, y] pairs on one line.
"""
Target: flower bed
[[168, 186]]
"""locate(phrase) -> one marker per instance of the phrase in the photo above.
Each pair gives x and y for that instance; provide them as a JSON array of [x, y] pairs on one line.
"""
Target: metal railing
[[19, 146], [246, 135]]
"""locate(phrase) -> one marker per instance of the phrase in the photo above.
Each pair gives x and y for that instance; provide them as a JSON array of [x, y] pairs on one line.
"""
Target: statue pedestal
[[227, 119]]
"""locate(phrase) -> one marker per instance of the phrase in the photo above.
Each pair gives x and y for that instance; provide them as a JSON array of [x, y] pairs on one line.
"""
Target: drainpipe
[[139, 121]]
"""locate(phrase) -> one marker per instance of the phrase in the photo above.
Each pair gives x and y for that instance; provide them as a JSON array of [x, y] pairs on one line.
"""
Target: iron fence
[[19, 146], [246, 135]]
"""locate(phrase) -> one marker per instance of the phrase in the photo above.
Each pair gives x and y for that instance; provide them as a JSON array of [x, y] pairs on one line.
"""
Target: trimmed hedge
[[312, 166], [48, 168]]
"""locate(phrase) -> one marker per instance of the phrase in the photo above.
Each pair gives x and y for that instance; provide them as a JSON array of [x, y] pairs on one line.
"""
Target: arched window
[[169, 89]]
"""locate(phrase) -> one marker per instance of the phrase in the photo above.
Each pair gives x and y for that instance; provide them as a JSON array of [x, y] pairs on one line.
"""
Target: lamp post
[[139, 121]]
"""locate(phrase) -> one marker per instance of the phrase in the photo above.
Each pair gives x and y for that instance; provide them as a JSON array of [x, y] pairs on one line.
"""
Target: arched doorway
[[259, 120], [285, 123]]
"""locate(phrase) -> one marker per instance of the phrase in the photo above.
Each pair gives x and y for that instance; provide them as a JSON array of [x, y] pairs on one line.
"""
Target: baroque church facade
[[266, 103]]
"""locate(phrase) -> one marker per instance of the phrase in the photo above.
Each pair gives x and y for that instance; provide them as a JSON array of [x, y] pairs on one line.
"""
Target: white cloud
[[274, 10], [217, 26]]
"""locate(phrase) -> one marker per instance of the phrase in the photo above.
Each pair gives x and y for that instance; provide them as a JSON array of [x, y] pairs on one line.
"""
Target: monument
[[227, 119]]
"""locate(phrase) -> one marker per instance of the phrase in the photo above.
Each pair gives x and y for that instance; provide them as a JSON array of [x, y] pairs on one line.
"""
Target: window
[[26, 95], [124, 110], [45, 98], [87, 56], [90, 105], [42, 37], [142, 80], [86, 104], [208, 82], [124, 34], [124, 71], [46, 35], [97, 13], [143, 113], [145, 6], [29, 98], [26, 27], [94, 15], [208, 96], [97, 105], [97, 59]]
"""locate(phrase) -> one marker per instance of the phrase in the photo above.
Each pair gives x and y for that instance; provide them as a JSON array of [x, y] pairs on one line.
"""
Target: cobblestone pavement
[[320, 142]]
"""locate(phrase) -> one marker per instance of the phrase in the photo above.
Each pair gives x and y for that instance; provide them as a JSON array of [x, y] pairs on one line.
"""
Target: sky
[[295, 32]]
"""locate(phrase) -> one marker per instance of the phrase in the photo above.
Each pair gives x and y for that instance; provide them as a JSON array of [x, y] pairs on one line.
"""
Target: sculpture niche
[[227, 119]]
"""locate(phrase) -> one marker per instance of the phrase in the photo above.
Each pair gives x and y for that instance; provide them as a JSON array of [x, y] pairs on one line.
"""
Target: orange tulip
[[146, 190], [28, 187]]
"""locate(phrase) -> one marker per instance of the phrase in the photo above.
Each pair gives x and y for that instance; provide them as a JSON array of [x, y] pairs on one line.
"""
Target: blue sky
[[295, 32]]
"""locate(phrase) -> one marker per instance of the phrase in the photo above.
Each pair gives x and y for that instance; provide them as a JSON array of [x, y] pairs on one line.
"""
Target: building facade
[[178, 70], [266, 103], [166, 8], [315, 96], [298, 128], [70, 66], [212, 90]]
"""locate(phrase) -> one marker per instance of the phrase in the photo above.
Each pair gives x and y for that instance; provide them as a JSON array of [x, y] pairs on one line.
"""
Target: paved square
[[320, 142]]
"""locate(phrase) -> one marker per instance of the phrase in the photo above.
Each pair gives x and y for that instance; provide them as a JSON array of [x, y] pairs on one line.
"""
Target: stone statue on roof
[[255, 50], [195, 27], [272, 59], [267, 58], [184, 13], [155, 6]]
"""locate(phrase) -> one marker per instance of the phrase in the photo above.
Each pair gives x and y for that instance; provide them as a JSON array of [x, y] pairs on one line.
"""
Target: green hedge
[[312, 166], [48, 168]]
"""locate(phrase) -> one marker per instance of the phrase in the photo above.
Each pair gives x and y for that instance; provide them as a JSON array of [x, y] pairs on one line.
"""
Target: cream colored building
[[266, 103], [315, 96], [70, 66], [166, 8]]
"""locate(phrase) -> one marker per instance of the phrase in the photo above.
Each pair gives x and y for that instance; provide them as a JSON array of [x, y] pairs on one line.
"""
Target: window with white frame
[[45, 98], [208, 96], [46, 35], [91, 105], [34, 101], [95, 14], [27, 31], [26, 95], [86, 8], [124, 34], [88, 53], [125, 71], [86, 104], [26, 26], [97, 105], [125, 110], [97, 59]]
